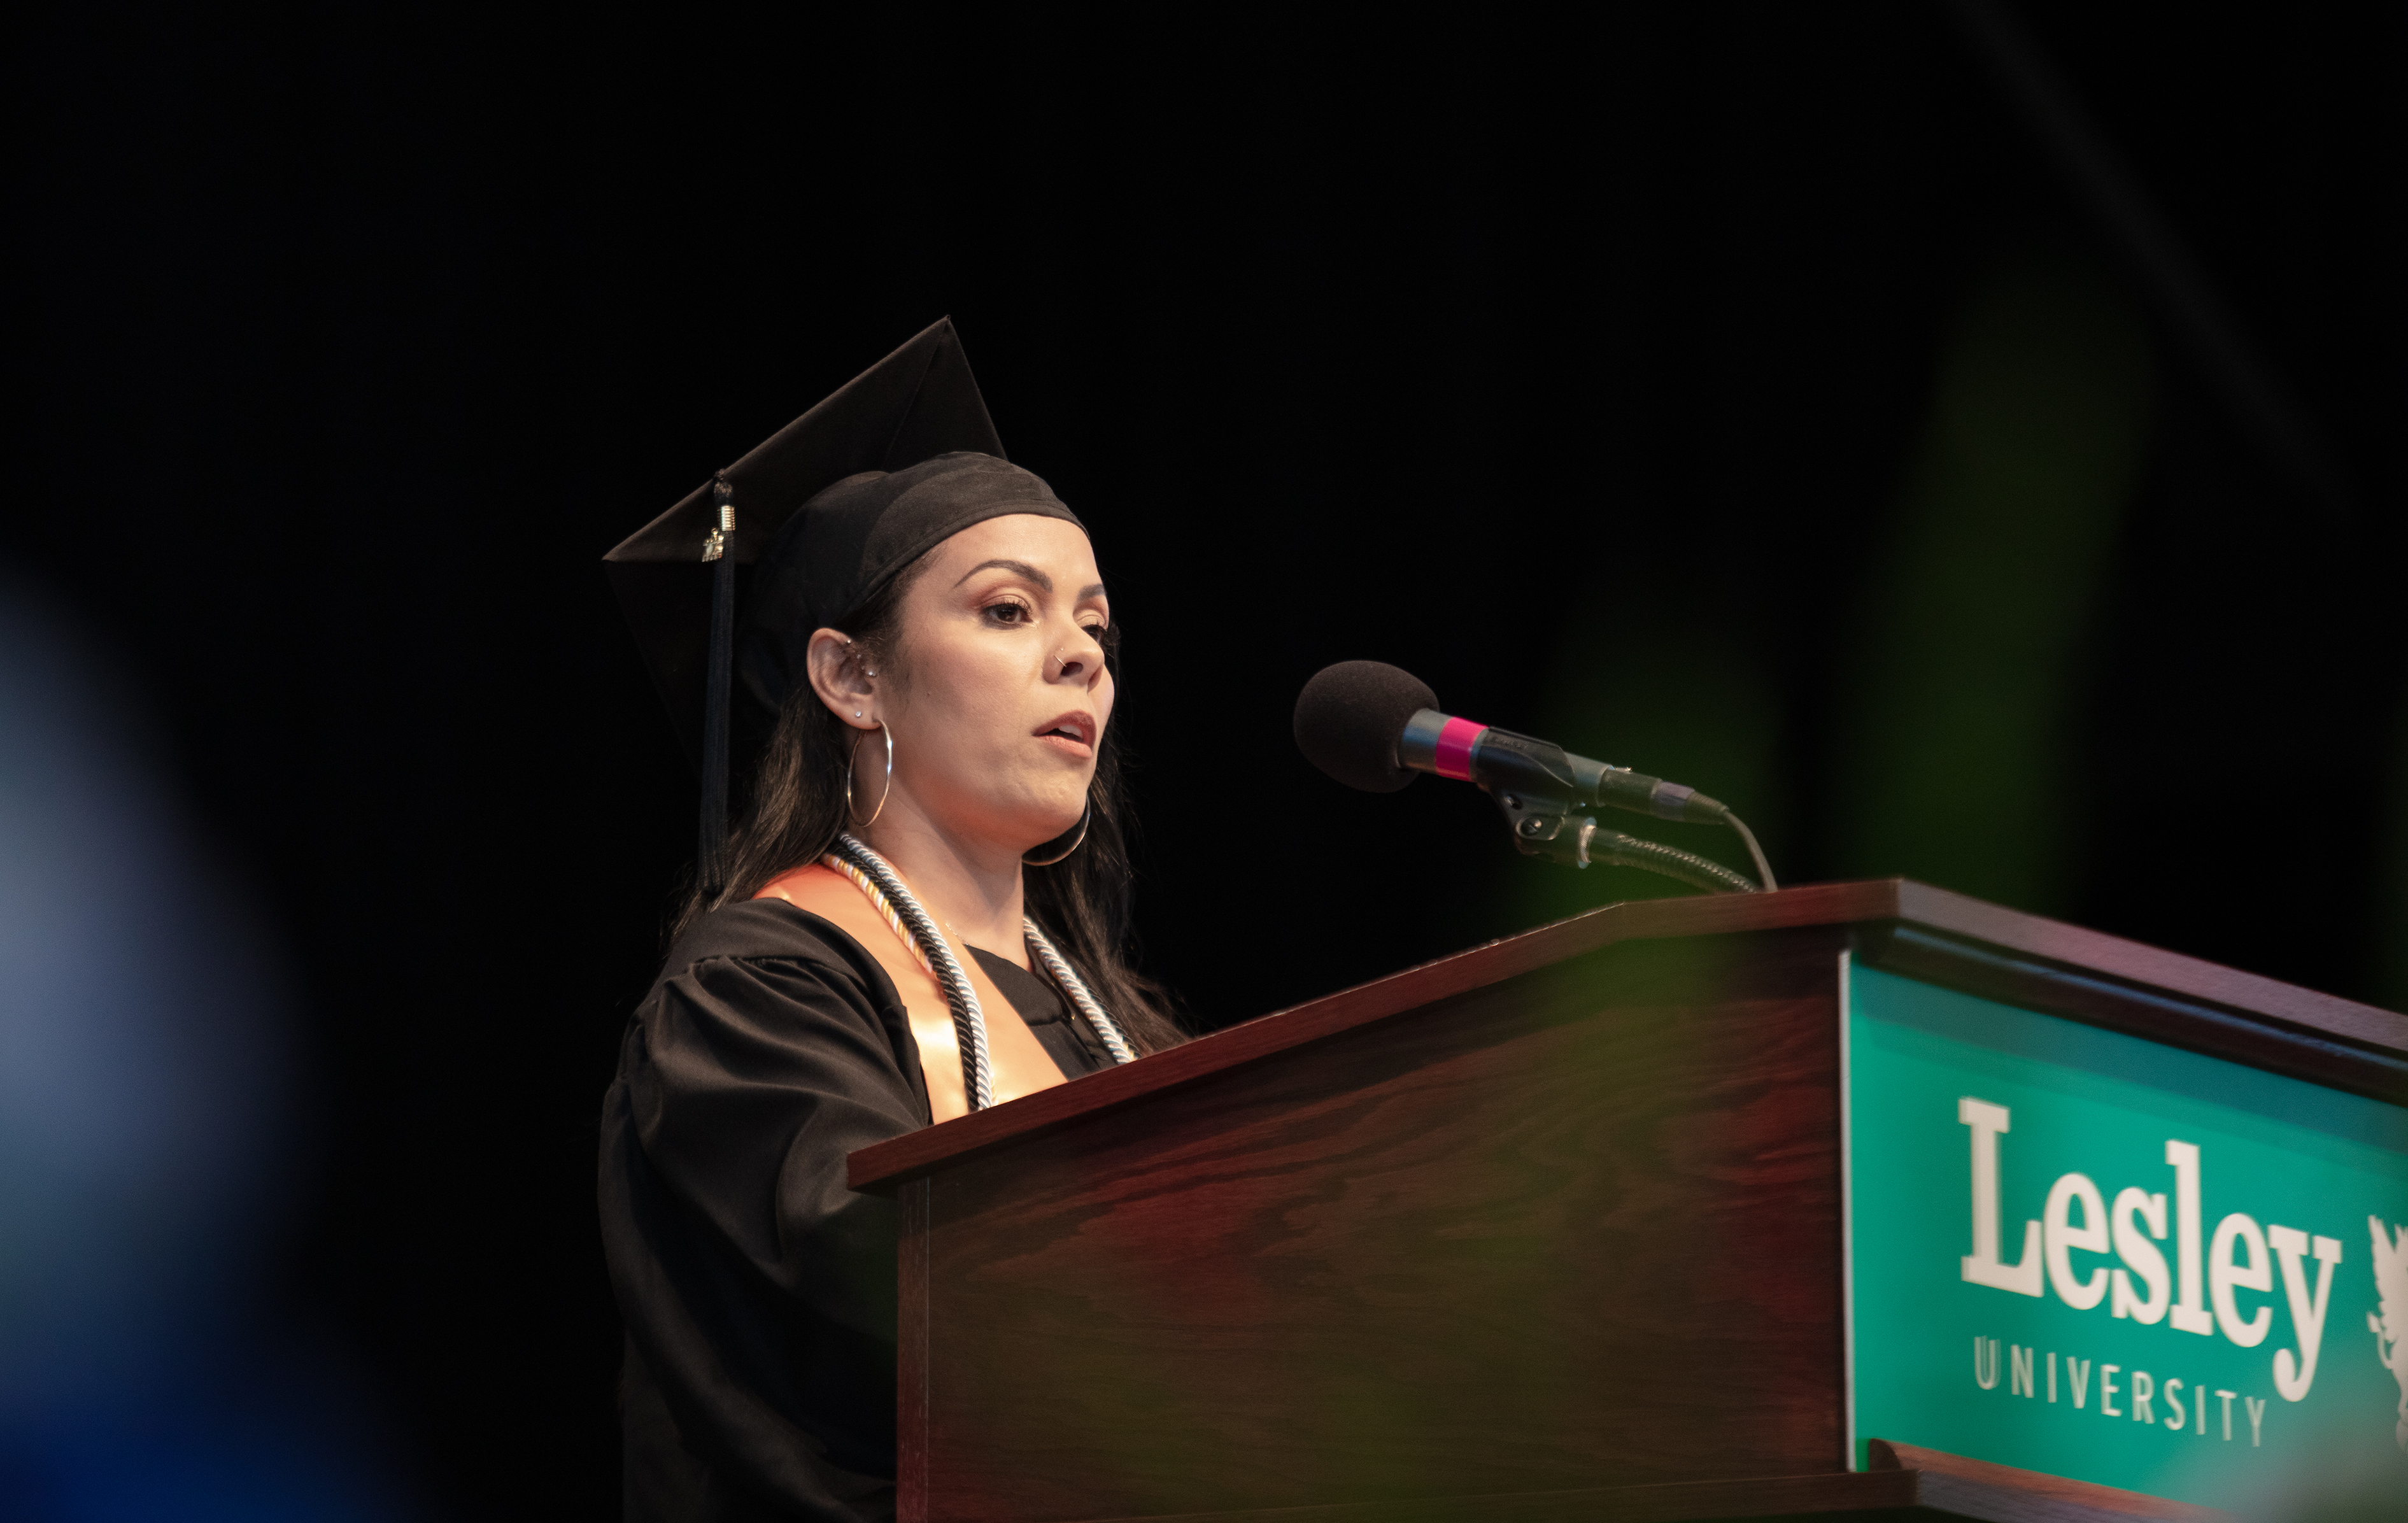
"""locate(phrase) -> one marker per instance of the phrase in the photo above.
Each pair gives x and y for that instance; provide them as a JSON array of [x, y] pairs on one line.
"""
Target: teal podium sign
[[2079, 1252]]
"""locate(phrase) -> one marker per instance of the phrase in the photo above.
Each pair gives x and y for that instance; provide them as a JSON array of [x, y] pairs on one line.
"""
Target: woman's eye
[[1007, 613], [1094, 632]]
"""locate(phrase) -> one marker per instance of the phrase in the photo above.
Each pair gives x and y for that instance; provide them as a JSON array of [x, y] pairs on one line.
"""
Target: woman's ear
[[842, 679]]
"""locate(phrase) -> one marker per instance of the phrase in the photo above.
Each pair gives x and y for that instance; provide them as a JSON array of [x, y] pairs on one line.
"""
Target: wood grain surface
[[1575, 1228], [1911, 1486], [2263, 1021], [911, 1351], [1892, 1495], [1553, 1218], [2111, 1501], [2318, 1055], [2148, 967]]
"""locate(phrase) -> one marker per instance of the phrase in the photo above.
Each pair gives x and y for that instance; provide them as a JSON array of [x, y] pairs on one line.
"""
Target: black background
[[1536, 353]]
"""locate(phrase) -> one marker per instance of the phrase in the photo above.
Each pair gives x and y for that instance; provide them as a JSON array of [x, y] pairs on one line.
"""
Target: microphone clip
[[1543, 826], [1546, 827]]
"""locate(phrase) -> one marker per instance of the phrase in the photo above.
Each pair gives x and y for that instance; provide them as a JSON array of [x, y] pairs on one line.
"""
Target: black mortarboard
[[898, 460]]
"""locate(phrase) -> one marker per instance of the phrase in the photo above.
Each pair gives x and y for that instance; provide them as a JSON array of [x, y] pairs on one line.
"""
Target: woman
[[921, 913]]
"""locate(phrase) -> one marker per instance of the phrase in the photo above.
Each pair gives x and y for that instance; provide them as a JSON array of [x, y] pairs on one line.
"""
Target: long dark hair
[[797, 808]]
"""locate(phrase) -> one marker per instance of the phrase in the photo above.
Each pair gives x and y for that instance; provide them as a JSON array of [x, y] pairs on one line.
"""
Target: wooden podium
[[1549, 1230]]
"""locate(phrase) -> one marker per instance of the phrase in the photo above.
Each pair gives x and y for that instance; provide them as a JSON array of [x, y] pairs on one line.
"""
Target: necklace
[[883, 886]]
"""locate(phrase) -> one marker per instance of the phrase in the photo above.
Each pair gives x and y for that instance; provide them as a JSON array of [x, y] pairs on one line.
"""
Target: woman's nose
[[1079, 660]]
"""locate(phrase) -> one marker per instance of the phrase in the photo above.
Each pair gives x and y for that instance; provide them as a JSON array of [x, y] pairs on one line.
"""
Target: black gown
[[757, 1291]]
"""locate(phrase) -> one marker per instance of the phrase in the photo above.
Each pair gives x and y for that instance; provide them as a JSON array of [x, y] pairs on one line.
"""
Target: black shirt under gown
[[757, 1291]]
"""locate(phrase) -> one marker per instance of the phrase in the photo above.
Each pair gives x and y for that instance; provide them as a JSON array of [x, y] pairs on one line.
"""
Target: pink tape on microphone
[[1454, 749]]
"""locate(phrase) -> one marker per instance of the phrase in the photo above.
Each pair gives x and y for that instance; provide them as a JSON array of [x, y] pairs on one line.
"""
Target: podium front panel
[[2080, 1252], [1574, 1230], [1590, 1213]]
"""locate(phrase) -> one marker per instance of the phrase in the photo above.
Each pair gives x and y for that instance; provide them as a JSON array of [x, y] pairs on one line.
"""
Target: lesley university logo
[[2085, 1254], [2074, 1232], [2390, 1323]]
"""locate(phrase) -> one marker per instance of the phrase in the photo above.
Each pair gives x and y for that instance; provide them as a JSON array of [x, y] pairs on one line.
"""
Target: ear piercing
[[865, 672]]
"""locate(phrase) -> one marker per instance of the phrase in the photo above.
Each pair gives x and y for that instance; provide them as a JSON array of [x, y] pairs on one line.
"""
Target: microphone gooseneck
[[1373, 726], [1617, 850]]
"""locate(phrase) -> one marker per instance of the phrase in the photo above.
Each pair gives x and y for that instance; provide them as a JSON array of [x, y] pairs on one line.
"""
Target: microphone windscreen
[[1350, 717]]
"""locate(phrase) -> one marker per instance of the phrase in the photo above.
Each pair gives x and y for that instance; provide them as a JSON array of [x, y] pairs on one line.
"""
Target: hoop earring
[[851, 812], [1066, 850]]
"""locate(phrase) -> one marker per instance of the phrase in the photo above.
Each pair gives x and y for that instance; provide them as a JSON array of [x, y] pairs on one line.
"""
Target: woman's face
[[996, 693]]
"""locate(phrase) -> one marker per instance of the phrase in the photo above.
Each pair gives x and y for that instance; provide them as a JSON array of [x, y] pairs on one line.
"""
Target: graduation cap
[[899, 458]]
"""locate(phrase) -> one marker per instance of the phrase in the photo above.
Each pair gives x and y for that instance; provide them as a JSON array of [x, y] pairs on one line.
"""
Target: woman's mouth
[[1074, 733]]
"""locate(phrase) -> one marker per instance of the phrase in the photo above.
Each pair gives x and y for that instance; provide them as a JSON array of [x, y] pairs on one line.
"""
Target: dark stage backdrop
[[1744, 393]]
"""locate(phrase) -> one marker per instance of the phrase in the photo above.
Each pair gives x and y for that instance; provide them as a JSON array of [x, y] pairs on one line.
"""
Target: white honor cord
[[877, 878]]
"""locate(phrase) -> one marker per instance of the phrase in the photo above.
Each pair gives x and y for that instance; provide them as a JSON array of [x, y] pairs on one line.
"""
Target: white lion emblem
[[2391, 1326]]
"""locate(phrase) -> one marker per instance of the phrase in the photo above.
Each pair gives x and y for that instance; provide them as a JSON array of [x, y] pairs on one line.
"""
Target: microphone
[[1373, 726], [1376, 727]]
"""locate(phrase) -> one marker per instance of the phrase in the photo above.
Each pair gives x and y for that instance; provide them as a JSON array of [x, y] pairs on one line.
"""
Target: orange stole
[[1018, 1061]]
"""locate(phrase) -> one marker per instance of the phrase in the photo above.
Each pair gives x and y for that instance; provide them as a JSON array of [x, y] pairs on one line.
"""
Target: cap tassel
[[711, 858]]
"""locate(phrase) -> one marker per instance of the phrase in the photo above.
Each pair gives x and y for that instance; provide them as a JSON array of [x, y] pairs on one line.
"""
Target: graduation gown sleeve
[[758, 1292]]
